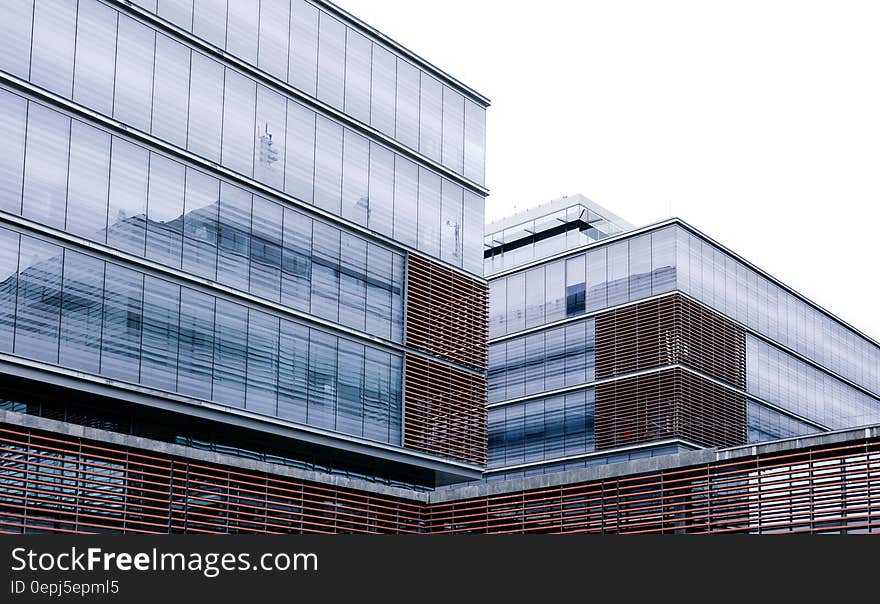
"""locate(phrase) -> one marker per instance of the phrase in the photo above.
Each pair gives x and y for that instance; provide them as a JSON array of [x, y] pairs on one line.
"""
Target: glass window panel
[[196, 350], [299, 170], [262, 363], [45, 170], [293, 371], [377, 395], [230, 353], [242, 25], [351, 388], [95, 63], [396, 399], [296, 261], [534, 431], [590, 353], [357, 75], [13, 125], [209, 21], [597, 297], [453, 130], [38, 309], [406, 187], [165, 210], [575, 423], [331, 61], [325, 272], [238, 123], [516, 363], [271, 138], [451, 223], [475, 142], [380, 211], [88, 182], [160, 333], [379, 286], [129, 175], [8, 287], [575, 354], [474, 220], [15, 38], [322, 380], [497, 308], [353, 282], [179, 12], [234, 237], [123, 320], [555, 355], [535, 360], [407, 106], [618, 273], [555, 295], [328, 165], [516, 303], [200, 224], [171, 90], [205, 107], [429, 212], [663, 261], [82, 302], [303, 46], [355, 178], [514, 440], [640, 267], [266, 248], [554, 427], [430, 117], [274, 37], [134, 73], [497, 371], [575, 286], [54, 34], [535, 297], [382, 102]]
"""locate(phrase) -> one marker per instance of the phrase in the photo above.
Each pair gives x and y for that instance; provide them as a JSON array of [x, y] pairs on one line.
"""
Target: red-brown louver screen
[[444, 411], [446, 313]]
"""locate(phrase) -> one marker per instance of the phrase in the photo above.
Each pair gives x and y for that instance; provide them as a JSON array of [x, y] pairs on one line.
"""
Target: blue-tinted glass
[[322, 380], [430, 117], [262, 363], [474, 142], [554, 427], [498, 307], [95, 65], [429, 212], [293, 371], [406, 201], [516, 303], [196, 349], [535, 297], [331, 61], [328, 165], [555, 354], [200, 224], [618, 273], [453, 130], [575, 287], [13, 125], [87, 185], [54, 36], [171, 90], [325, 272], [352, 282], [160, 338], [45, 170], [179, 12], [640, 267], [209, 21], [379, 286], [134, 73], [399, 268], [516, 363], [15, 38], [303, 46], [129, 175], [451, 230], [230, 353], [396, 400], [239, 105], [474, 210], [274, 37], [575, 423], [266, 248], [535, 360], [575, 354], [38, 308], [205, 107], [381, 190], [165, 210], [377, 395], [271, 138], [356, 202], [350, 418], [296, 260], [299, 167], [123, 320], [384, 83], [555, 299], [234, 237], [8, 287], [407, 105], [596, 280], [242, 24], [662, 261], [497, 371], [357, 76], [534, 431], [514, 440], [82, 301]]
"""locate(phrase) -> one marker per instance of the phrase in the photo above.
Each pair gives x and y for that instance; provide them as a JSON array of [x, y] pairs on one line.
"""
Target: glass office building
[[220, 211], [609, 343]]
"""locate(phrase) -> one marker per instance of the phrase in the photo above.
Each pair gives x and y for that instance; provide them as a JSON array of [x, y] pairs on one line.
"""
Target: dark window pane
[[123, 320], [82, 303], [160, 339], [38, 309], [230, 348]]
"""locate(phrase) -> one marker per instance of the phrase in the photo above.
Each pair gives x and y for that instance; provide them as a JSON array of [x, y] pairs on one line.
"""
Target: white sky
[[757, 122]]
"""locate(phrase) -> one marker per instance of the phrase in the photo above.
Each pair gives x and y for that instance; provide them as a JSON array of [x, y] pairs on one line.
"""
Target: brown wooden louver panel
[[444, 411], [667, 404], [446, 313], [666, 331]]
